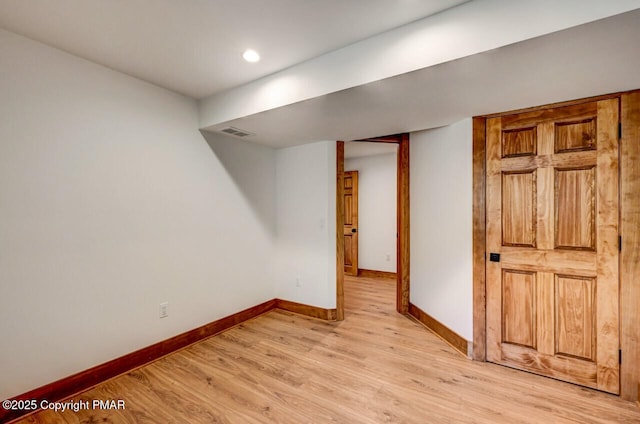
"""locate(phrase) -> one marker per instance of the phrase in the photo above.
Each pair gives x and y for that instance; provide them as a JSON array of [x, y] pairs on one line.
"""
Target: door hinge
[[620, 243], [620, 130], [620, 356]]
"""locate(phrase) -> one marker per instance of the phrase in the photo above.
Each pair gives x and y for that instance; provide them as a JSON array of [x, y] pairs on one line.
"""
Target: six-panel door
[[350, 232], [552, 215]]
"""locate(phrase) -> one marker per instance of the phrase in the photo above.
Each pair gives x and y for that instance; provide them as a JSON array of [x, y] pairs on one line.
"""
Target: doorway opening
[[402, 222]]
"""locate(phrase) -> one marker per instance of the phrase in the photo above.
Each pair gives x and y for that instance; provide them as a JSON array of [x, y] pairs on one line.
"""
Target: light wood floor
[[374, 367]]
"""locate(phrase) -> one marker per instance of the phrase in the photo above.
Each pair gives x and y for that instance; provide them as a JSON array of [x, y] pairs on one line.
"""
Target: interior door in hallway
[[552, 240], [351, 223]]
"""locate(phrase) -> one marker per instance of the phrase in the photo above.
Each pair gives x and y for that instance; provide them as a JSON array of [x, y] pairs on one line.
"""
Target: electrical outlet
[[164, 309], [298, 282]]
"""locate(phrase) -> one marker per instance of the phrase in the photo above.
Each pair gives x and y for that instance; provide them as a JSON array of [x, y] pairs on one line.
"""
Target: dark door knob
[[353, 230]]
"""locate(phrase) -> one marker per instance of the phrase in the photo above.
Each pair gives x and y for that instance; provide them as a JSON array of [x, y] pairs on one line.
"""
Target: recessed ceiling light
[[251, 55]]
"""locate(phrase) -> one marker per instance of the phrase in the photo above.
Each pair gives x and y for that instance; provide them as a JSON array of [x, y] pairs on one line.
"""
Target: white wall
[[111, 202], [377, 188], [441, 225], [306, 224]]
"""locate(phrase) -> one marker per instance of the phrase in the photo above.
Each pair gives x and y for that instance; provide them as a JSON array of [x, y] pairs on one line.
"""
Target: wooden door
[[552, 243], [350, 222]]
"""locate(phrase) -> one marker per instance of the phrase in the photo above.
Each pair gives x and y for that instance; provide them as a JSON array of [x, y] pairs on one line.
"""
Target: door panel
[[350, 222], [552, 216], [519, 142], [518, 308], [348, 253], [575, 208], [576, 135], [519, 208], [575, 312]]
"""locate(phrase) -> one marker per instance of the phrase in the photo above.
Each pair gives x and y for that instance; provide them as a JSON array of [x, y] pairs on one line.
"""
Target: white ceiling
[[588, 60], [194, 47]]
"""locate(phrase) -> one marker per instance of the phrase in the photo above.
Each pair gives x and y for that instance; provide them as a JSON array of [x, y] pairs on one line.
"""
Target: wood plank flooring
[[374, 367]]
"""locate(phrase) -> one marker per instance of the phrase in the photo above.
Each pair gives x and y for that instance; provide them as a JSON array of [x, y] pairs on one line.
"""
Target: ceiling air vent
[[236, 132]]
